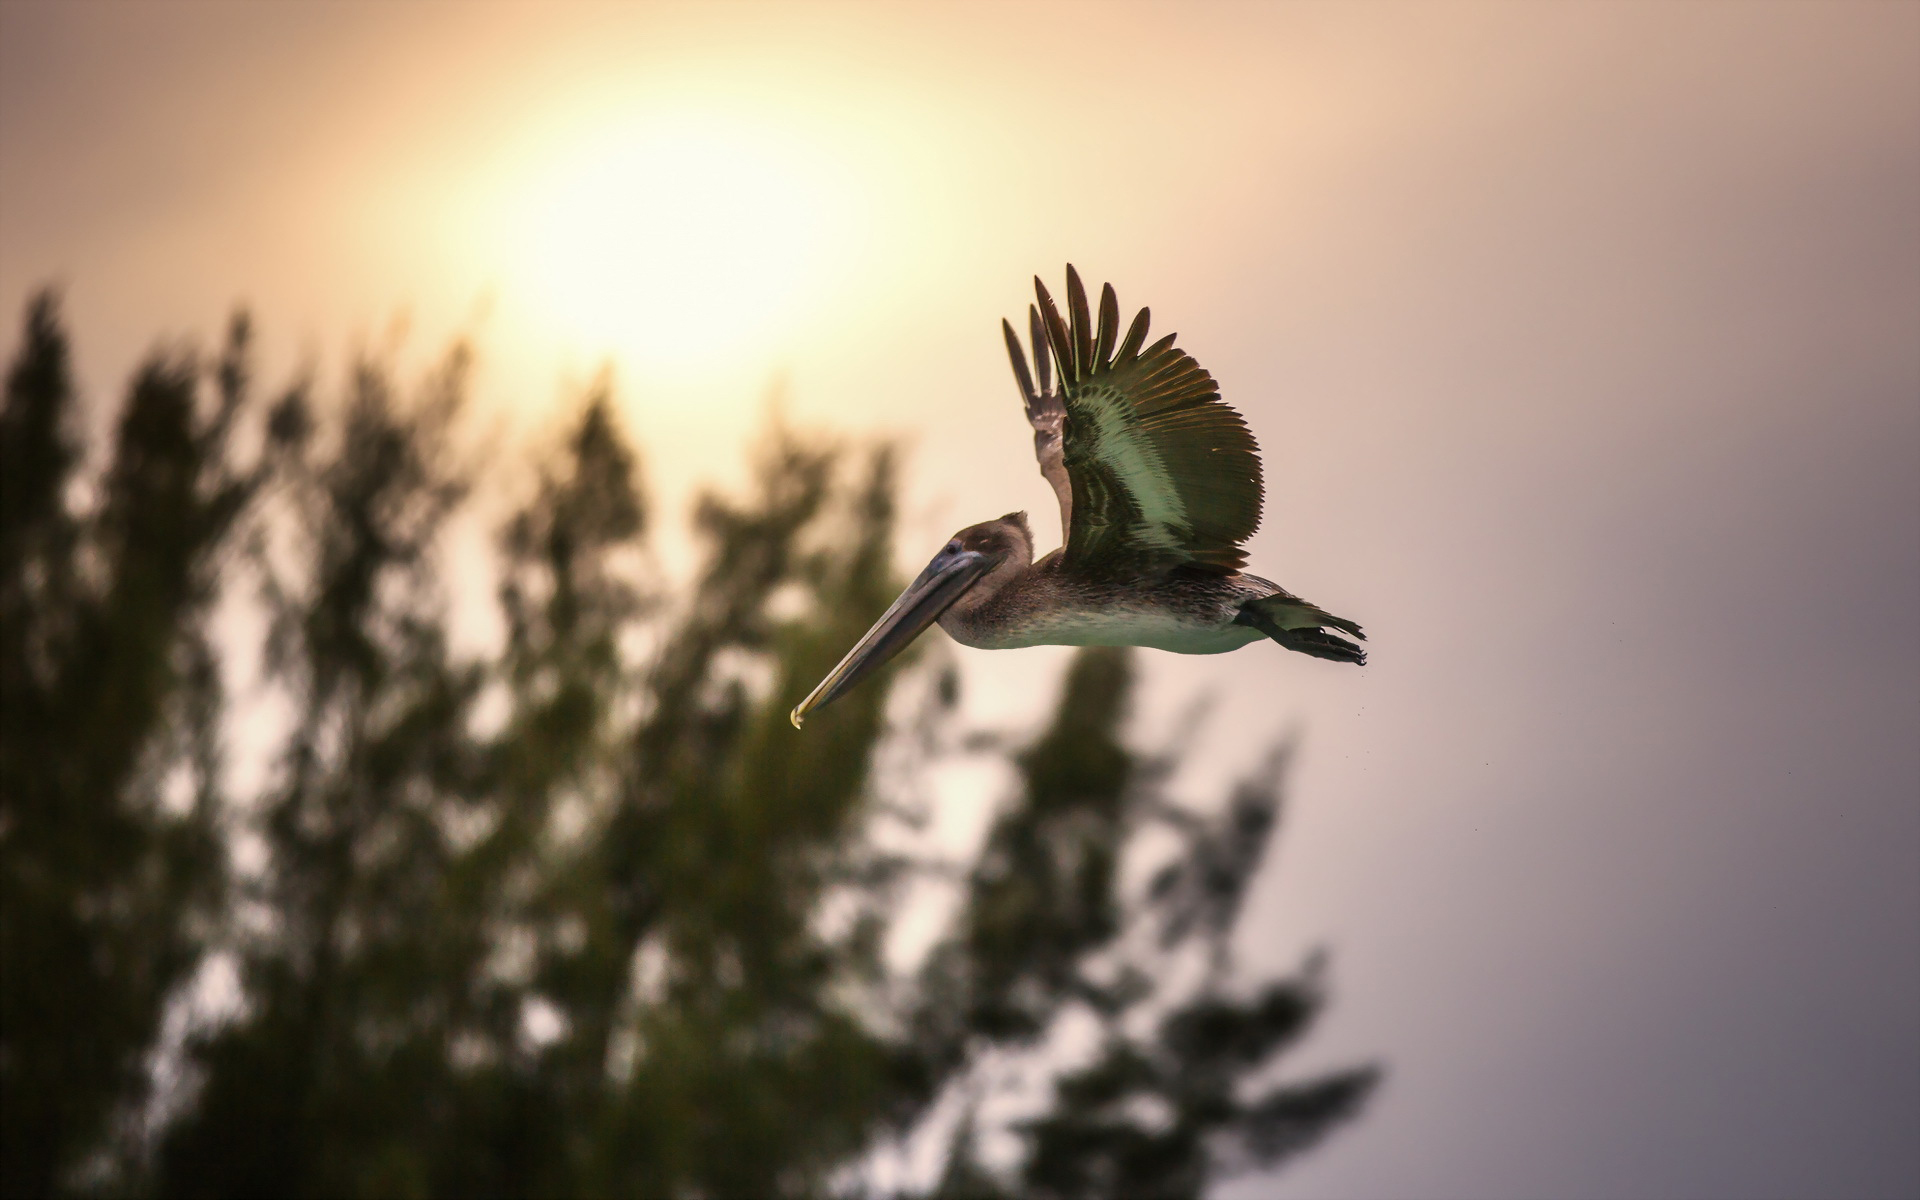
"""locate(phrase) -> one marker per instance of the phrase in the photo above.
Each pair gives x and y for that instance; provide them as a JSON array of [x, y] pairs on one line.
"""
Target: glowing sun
[[679, 243]]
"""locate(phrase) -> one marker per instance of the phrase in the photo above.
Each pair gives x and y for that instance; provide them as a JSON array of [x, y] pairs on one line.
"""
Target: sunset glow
[[1578, 340], [675, 241]]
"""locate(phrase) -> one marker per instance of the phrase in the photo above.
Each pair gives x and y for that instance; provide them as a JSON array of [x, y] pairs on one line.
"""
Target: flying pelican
[[1159, 484]]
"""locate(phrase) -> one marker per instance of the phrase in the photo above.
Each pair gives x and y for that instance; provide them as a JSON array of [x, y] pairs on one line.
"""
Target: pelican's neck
[[996, 588]]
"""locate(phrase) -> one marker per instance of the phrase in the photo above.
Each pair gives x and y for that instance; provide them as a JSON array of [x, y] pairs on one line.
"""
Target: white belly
[[1153, 628]]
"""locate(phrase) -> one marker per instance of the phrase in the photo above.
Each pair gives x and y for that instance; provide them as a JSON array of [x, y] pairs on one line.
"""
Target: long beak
[[951, 572]]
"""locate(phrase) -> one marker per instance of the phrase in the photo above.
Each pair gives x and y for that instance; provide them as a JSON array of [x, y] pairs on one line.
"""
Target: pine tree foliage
[[580, 914], [108, 864]]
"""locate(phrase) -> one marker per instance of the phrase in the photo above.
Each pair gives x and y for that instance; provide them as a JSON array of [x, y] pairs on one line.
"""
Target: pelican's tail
[[1305, 627]]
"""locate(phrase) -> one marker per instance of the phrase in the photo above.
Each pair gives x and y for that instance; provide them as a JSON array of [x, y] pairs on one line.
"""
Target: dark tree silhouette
[[108, 864], [581, 915]]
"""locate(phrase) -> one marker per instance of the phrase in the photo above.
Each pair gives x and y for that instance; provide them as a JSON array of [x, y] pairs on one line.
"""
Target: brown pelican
[[1159, 484]]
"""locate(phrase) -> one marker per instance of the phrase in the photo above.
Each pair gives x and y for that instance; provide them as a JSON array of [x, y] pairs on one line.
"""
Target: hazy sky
[[1583, 343]]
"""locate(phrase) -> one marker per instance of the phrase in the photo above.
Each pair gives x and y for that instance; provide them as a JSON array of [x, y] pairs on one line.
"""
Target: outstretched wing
[[1152, 470], [1046, 412]]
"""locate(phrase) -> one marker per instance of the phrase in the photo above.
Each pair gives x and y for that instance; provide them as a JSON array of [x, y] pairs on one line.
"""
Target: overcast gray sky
[[1583, 342]]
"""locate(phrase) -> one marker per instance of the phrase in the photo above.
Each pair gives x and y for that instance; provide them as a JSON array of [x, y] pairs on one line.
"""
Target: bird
[[1159, 484]]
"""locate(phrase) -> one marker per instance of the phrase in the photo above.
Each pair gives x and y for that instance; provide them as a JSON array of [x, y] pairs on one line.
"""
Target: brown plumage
[[1159, 486], [1152, 470]]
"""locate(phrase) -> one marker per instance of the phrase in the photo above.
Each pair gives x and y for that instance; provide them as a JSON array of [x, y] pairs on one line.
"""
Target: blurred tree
[[1161, 1107], [369, 955], [582, 916], [109, 702]]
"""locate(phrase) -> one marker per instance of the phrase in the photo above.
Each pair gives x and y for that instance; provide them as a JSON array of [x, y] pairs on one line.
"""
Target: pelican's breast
[[1054, 616]]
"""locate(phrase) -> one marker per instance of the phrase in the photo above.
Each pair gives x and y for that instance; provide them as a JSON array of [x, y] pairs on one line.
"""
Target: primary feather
[[1152, 470]]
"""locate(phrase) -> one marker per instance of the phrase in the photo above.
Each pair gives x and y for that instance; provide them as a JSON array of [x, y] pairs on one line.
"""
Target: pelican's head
[[978, 559]]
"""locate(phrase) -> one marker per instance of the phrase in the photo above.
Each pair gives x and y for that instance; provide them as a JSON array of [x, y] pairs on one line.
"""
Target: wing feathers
[[1082, 326], [1019, 357], [1136, 334], [1042, 361], [1046, 412], [1057, 337], [1153, 471], [1109, 326]]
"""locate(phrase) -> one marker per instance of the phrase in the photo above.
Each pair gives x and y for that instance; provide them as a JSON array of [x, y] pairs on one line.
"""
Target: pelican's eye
[[954, 546]]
